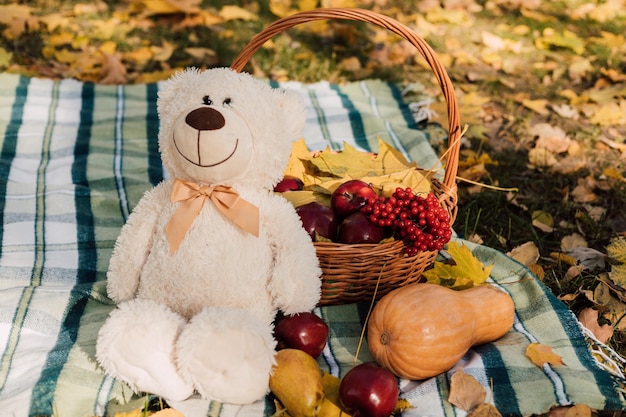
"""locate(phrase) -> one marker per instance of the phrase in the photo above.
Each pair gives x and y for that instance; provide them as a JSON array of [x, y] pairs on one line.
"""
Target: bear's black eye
[[207, 100], [227, 101]]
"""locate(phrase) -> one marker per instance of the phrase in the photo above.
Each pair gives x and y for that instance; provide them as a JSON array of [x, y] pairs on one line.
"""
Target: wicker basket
[[355, 273]]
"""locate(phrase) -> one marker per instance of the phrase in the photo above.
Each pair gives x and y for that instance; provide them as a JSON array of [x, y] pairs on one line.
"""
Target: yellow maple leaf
[[5, 57], [171, 6], [617, 252], [567, 39], [540, 355], [350, 161], [231, 12], [140, 56], [390, 158], [465, 272], [281, 8], [17, 19], [299, 153], [610, 114]]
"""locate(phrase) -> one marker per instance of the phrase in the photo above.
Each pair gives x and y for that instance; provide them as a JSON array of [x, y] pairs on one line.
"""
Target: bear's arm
[[133, 245], [295, 283]]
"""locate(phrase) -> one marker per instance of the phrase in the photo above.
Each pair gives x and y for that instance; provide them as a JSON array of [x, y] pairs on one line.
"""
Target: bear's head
[[221, 127]]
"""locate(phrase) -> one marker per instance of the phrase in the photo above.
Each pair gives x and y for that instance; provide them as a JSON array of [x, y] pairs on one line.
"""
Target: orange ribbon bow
[[193, 196]]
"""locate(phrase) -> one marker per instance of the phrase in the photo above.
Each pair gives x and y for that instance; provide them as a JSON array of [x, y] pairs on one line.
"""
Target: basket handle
[[363, 15]]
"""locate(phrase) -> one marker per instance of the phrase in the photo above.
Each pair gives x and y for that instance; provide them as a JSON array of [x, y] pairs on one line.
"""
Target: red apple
[[368, 390], [304, 331], [350, 196], [318, 219], [289, 183], [357, 228]]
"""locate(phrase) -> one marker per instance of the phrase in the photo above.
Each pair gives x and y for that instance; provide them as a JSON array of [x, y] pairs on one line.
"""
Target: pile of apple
[[357, 214], [343, 221], [367, 390]]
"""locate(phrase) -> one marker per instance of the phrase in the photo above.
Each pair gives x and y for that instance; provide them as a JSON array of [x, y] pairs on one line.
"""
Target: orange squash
[[421, 330]]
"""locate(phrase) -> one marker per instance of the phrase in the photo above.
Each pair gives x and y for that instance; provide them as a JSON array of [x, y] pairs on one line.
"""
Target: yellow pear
[[296, 381], [331, 407]]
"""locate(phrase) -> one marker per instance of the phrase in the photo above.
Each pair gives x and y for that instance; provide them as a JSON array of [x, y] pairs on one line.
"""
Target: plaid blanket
[[76, 158]]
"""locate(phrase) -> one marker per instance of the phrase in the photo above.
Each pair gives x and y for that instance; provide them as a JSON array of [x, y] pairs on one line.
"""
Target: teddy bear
[[210, 255]]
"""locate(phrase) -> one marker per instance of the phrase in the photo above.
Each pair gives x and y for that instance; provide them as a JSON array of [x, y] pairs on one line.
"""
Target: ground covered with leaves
[[541, 87]]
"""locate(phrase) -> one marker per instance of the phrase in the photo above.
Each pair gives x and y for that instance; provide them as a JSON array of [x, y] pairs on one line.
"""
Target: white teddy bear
[[210, 255]]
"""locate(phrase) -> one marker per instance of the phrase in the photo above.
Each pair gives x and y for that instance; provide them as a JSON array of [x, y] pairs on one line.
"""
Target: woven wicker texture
[[355, 273]]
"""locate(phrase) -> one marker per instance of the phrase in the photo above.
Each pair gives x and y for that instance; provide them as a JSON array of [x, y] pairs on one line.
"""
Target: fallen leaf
[[281, 8], [566, 39], [566, 259], [465, 391], [5, 57], [466, 271], [539, 106], [231, 12], [526, 253], [588, 317], [583, 193], [617, 253], [543, 221], [541, 158], [607, 11], [572, 241], [206, 55], [611, 114], [588, 258], [570, 164], [538, 271], [579, 68], [566, 111], [164, 52], [113, 71], [140, 56], [485, 410], [614, 173], [17, 19], [540, 355], [552, 138], [152, 7]]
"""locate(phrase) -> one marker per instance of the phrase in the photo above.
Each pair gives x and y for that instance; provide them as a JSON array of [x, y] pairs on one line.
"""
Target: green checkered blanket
[[76, 158]]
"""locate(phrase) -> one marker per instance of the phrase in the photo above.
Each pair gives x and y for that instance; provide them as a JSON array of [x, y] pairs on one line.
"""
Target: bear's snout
[[205, 118]]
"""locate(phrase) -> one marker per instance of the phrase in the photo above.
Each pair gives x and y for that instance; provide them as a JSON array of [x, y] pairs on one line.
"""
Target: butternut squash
[[421, 330]]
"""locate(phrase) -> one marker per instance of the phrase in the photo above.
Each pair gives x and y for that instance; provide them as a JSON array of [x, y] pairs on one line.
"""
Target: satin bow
[[193, 196]]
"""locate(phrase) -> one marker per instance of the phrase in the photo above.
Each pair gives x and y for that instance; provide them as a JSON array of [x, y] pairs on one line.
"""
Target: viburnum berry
[[420, 222]]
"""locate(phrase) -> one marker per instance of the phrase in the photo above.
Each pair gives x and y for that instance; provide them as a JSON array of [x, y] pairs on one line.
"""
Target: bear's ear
[[292, 110], [170, 88]]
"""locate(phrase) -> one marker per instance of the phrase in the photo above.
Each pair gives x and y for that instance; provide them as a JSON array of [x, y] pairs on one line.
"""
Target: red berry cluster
[[420, 222]]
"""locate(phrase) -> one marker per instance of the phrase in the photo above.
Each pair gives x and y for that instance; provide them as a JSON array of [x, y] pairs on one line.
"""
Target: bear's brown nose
[[205, 118]]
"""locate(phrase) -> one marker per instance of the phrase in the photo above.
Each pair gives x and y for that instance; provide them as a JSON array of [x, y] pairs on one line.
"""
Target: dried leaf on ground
[[617, 252], [485, 410], [541, 158], [113, 71], [588, 317], [588, 258], [465, 391], [526, 253], [575, 240], [465, 272], [540, 355], [552, 138], [543, 221], [232, 12]]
